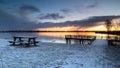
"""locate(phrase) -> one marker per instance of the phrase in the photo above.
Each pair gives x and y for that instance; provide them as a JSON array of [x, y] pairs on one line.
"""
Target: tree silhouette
[[108, 25], [116, 24]]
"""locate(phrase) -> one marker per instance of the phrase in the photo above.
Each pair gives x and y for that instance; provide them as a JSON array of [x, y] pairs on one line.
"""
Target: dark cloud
[[27, 9], [92, 21], [9, 21], [95, 4], [66, 11], [53, 16], [2, 2]]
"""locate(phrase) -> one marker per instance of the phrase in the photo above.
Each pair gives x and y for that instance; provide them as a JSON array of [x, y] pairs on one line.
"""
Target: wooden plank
[[80, 38]]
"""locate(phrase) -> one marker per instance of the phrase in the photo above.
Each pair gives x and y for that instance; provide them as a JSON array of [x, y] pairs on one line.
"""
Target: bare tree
[[108, 24], [116, 24]]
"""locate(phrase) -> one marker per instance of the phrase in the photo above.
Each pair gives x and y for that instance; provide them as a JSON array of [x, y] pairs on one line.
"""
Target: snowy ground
[[54, 55]]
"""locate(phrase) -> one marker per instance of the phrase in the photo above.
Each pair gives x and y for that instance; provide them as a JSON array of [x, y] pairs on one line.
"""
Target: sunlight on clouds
[[68, 28], [97, 28], [74, 28]]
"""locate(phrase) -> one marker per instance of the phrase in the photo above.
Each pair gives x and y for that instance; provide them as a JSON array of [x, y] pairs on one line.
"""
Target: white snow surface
[[56, 55]]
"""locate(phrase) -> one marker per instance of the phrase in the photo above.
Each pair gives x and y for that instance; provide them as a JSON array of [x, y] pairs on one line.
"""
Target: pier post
[[68, 41]]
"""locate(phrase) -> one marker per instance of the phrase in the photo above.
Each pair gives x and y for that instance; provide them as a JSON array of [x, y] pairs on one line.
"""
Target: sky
[[42, 13]]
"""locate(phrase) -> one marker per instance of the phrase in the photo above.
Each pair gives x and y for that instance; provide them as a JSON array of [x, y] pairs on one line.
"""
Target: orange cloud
[[74, 28], [97, 28], [68, 28]]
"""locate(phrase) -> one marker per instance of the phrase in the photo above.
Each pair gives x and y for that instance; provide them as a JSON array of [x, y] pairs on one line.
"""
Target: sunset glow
[[73, 28], [68, 28], [97, 28]]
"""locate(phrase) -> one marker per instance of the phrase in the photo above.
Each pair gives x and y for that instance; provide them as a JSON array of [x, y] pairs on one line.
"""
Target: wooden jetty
[[114, 41], [80, 39]]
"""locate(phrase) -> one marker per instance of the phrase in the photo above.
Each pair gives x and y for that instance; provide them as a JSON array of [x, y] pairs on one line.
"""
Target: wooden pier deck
[[114, 42], [80, 39]]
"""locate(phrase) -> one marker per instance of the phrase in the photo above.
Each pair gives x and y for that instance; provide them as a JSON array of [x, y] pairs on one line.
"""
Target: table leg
[[32, 40]]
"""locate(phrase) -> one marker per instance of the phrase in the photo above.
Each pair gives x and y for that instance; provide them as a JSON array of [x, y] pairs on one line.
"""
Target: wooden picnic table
[[21, 40]]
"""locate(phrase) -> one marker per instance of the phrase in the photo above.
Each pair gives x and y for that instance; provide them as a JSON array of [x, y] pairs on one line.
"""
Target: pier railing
[[114, 41], [80, 39]]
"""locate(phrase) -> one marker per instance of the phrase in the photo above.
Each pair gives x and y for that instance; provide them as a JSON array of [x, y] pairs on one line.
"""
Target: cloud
[[11, 22], [92, 21], [2, 2], [27, 9], [66, 11], [95, 4], [53, 16]]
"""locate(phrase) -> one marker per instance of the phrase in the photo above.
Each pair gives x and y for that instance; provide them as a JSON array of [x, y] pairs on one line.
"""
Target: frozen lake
[[58, 55]]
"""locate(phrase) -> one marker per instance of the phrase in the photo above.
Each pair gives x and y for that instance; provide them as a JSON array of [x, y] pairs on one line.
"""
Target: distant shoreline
[[40, 31], [110, 32], [29, 31]]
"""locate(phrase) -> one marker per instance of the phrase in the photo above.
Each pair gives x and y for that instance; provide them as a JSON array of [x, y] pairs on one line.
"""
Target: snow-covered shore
[[56, 55]]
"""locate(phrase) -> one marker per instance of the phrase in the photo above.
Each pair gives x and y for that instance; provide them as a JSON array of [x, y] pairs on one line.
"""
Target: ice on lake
[[60, 55]]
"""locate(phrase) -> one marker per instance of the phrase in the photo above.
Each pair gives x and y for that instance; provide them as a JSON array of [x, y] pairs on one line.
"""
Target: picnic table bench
[[24, 40]]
